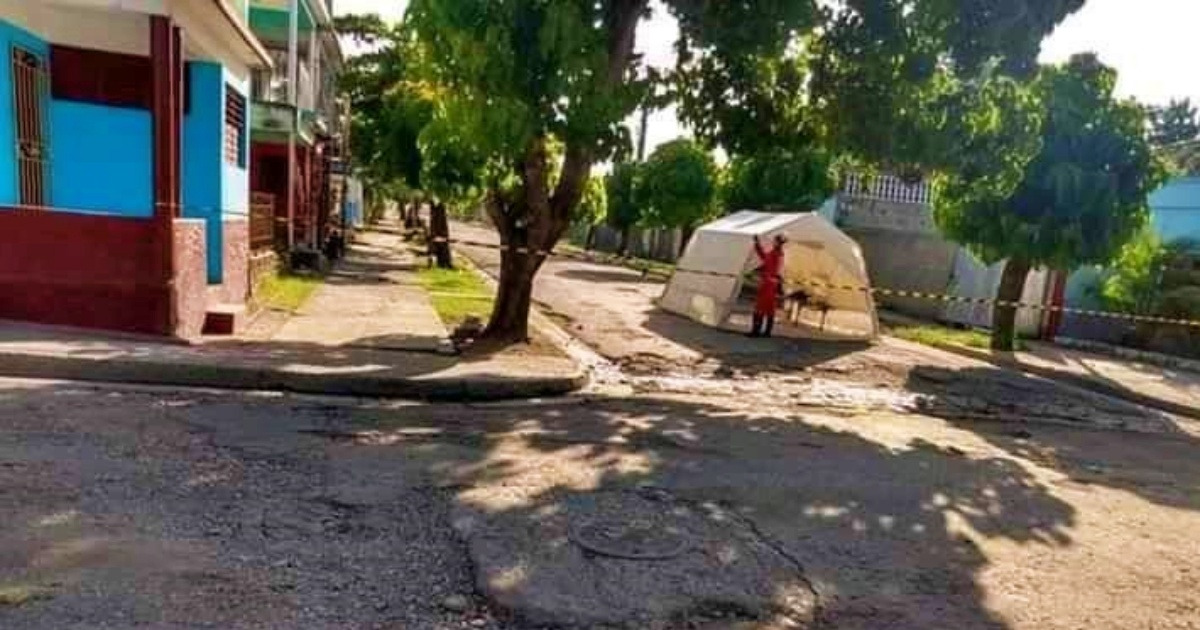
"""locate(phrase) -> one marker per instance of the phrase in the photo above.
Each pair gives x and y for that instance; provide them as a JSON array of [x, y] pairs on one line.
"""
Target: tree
[[593, 208], [624, 211], [778, 180], [678, 186], [1079, 200], [405, 131], [1178, 121], [530, 71]]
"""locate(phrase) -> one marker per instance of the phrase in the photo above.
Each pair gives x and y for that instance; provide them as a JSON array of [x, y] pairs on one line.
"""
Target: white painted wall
[[209, 36], [74, 24]]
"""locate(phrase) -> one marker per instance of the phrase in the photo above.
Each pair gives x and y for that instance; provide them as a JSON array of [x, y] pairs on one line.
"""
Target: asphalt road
[[131, 508], [899, 487]]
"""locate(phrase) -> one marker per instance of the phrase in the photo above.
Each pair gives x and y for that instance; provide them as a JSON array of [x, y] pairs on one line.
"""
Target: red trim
[[1057, 298], [166, 113], [101, 77], [82, 270]]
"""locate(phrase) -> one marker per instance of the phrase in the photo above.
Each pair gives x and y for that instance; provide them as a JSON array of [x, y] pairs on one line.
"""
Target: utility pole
[[641, 147]]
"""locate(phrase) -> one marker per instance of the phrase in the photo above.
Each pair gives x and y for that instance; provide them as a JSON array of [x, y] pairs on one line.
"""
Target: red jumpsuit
[[770, 267]]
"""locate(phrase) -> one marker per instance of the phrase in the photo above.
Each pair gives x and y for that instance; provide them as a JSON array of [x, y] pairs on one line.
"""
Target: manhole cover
[[641, 537]]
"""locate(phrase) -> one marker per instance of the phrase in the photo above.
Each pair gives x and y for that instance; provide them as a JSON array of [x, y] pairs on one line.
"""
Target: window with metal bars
[[235, 127]]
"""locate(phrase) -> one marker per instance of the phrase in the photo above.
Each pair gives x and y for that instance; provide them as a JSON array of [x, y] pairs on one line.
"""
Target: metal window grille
[[31, 86]]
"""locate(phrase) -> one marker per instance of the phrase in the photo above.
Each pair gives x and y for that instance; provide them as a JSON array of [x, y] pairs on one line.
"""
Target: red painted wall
[[82, 270]]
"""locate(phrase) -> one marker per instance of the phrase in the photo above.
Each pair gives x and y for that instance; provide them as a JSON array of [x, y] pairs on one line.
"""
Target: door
[[29, 100]]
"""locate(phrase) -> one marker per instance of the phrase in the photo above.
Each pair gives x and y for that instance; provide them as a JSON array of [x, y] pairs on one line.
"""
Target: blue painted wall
[[10, 34], [101, 159], [1175, 209], [214, 189], [202, 160]]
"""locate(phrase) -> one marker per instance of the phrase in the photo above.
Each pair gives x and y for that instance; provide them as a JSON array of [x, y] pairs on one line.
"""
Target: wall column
[[166, 113]]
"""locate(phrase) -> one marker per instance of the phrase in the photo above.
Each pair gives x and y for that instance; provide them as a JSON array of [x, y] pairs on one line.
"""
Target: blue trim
[[202, 160], [11, 35]]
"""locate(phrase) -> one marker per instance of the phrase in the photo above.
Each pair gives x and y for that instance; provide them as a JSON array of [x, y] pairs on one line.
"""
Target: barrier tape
[[901, 293]]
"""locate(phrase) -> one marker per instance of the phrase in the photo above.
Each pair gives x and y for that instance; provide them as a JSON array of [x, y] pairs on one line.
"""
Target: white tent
[[708, 280]]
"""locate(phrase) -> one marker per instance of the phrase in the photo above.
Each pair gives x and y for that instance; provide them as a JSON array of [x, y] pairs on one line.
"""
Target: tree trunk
[[623, 246], [525, 239], [1004, 318], [439, 228], [589, 242], [510, 315], [688, 230], [532, 220], [410, 215]]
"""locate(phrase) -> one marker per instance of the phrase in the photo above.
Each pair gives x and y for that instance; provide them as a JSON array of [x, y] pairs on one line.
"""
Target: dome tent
[[709, 277]]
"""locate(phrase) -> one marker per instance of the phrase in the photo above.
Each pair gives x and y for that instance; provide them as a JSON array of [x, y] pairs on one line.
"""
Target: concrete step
[[225, 319]]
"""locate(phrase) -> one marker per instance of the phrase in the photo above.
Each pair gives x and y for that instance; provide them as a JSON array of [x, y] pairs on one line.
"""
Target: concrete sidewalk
[[371, 300], [369, 331]]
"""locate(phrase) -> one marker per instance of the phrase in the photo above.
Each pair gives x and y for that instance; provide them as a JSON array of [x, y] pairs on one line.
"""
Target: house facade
[[892, 220], [299, 126], [125, 167]]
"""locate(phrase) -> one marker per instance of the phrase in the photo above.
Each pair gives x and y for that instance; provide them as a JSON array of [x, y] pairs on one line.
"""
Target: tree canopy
[[1082, 196], [1078, 201], [677, 185], [1178, 121], [778, 180], [866, 78]]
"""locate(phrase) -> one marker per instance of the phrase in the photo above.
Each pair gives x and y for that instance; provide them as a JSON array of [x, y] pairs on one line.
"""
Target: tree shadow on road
[[734, 351], [887, 534]]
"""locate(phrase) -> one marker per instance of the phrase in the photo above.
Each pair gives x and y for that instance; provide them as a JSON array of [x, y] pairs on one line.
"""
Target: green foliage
[[1184, 158], [1083, 194], [593, 206], [456, 294], [937, 336], [876, 79], [1176, 122], [778, 180], [884, 69], [1132, 284], [678, 185], [620, 186], [287, 292], [526, 69]]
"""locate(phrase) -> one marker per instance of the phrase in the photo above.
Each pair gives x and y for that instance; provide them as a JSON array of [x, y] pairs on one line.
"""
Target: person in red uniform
[[770, 280]]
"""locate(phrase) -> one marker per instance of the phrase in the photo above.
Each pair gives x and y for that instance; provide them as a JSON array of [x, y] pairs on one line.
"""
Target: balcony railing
[[272, 87]]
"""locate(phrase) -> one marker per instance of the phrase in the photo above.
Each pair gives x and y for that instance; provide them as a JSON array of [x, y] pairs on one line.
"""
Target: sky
[[1153, 44]]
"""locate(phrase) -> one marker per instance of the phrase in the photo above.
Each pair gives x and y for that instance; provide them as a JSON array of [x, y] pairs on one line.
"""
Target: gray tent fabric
[[818, 259]]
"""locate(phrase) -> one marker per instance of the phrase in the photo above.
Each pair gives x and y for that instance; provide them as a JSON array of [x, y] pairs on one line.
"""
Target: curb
[[1132, 354], [145, 372], [1007, 361]]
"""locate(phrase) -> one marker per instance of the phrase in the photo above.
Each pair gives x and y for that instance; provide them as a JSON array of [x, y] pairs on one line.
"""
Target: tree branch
[[577, 163]]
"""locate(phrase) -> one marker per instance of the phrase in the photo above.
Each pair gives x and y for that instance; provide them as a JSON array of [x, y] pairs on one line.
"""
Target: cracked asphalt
[[143, 508], [797, 485]]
